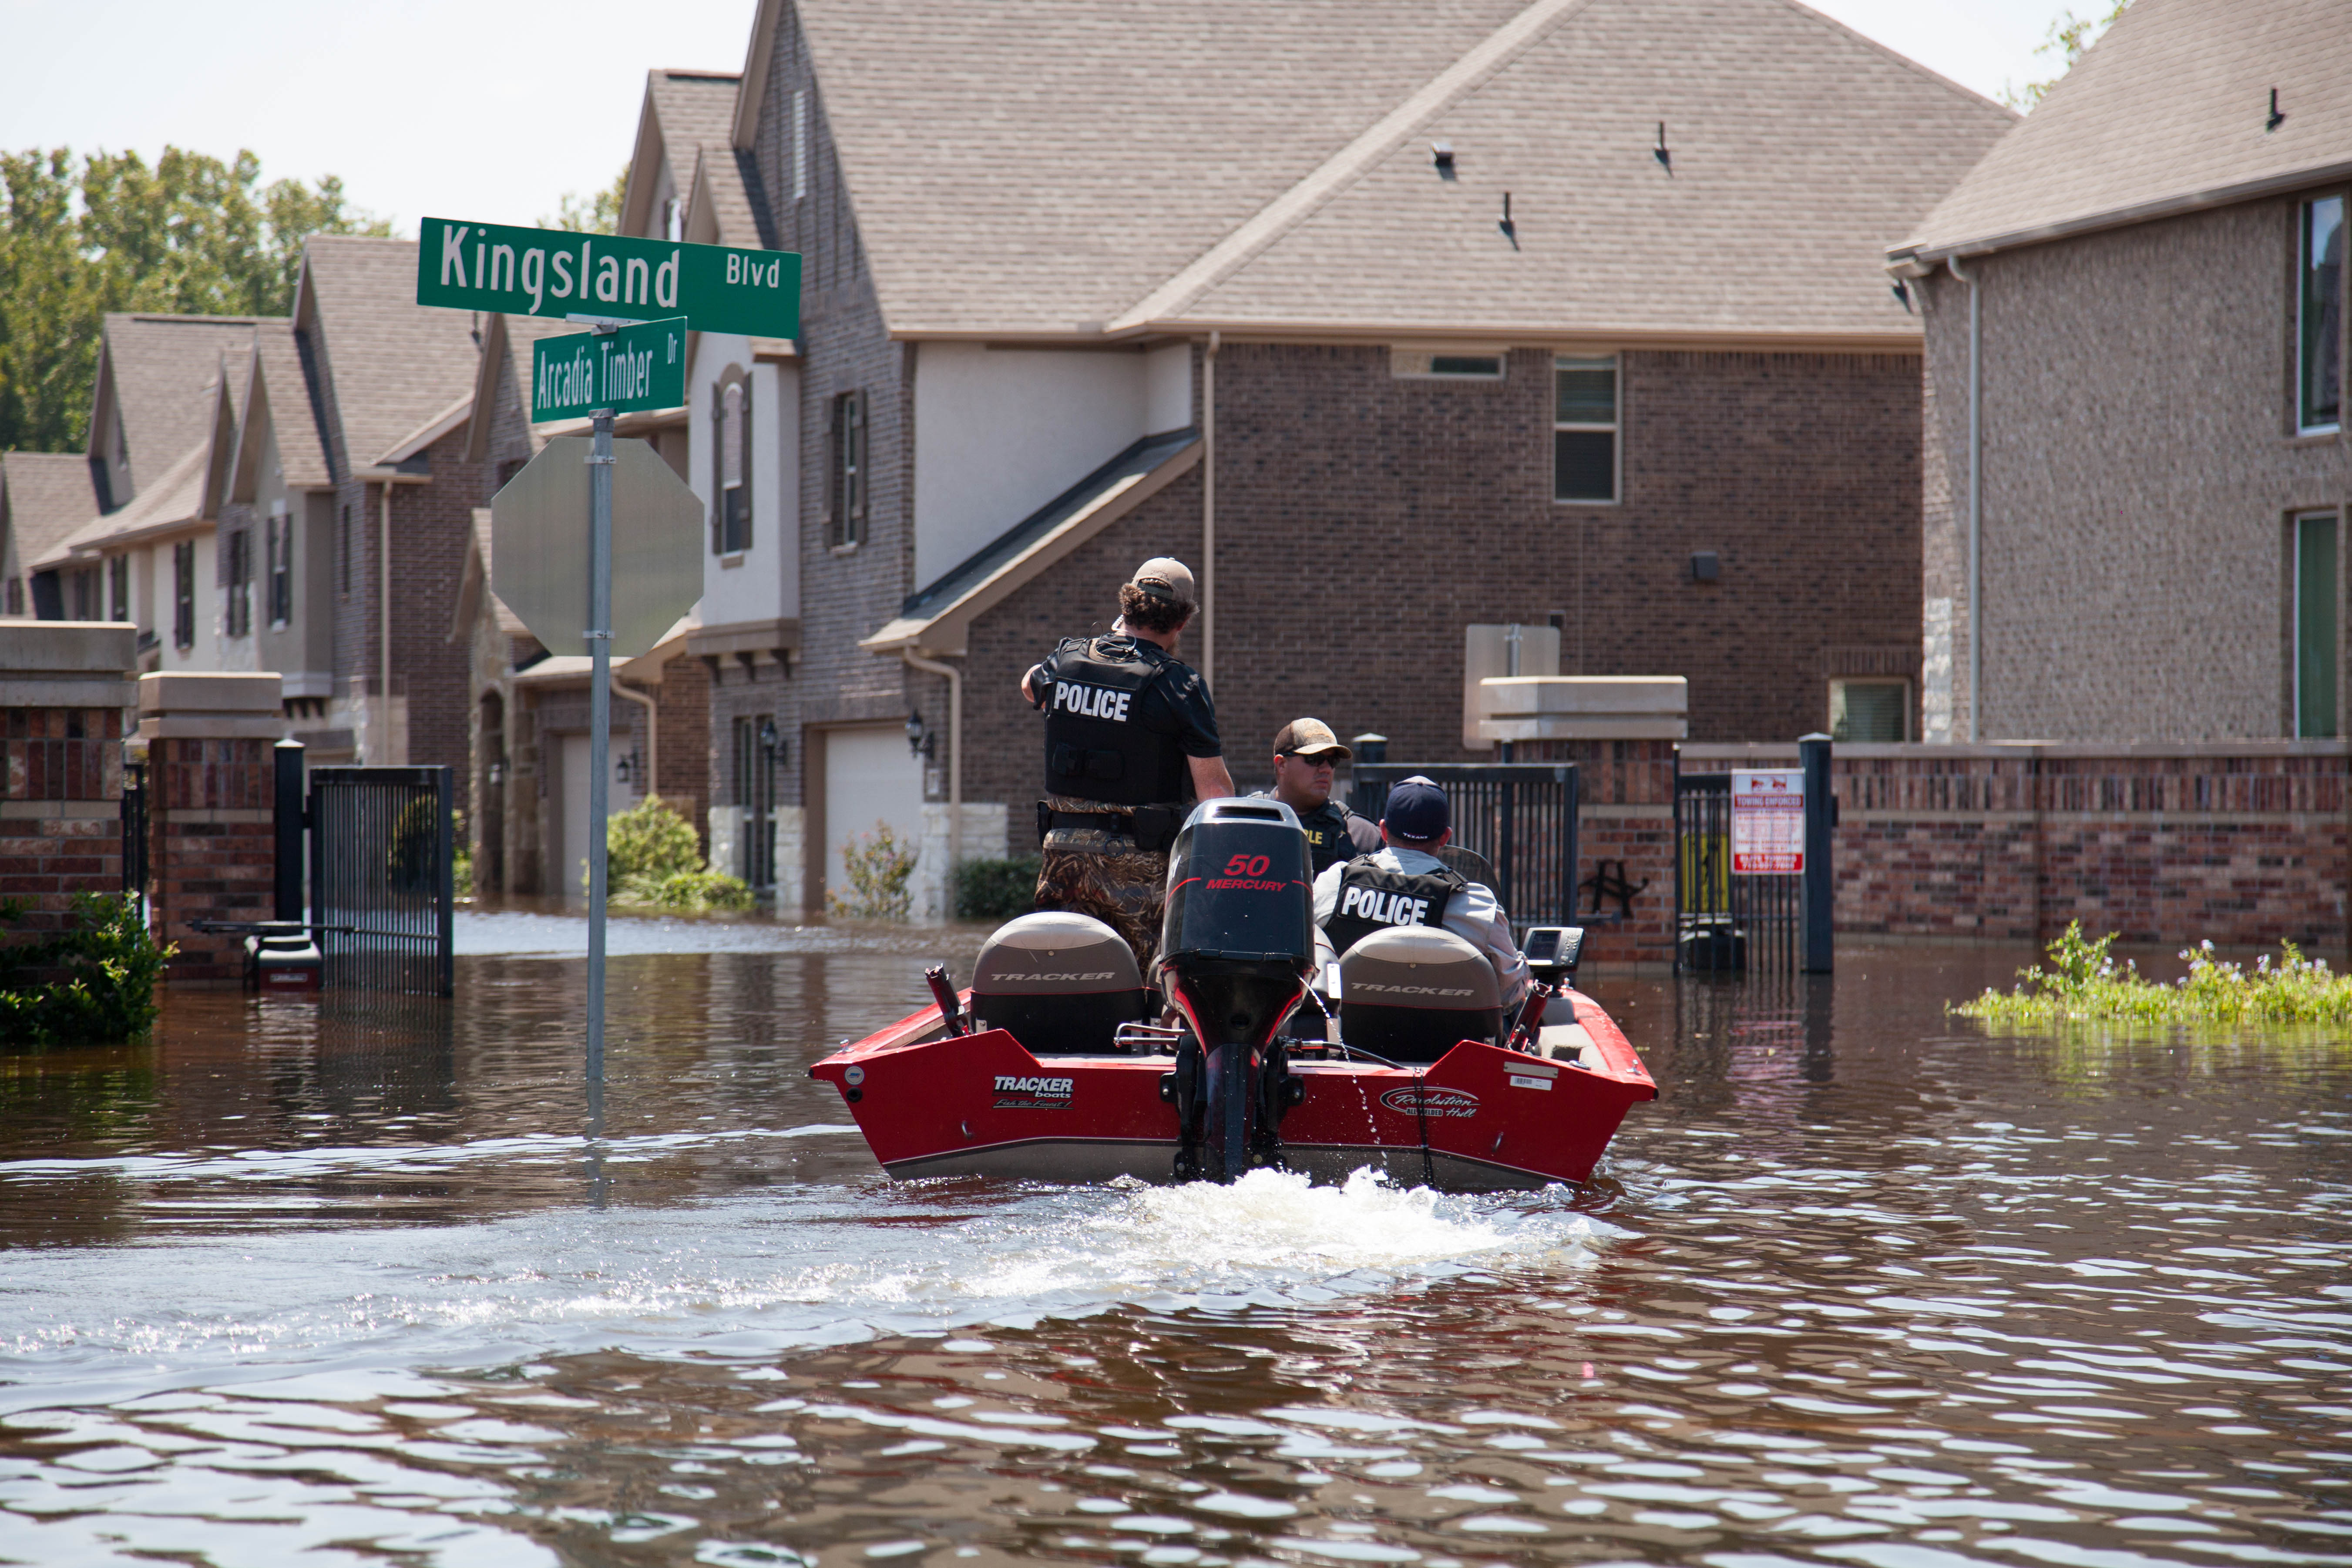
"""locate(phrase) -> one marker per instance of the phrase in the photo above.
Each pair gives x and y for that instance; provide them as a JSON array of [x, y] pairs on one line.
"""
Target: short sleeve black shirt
[[1176, 704]]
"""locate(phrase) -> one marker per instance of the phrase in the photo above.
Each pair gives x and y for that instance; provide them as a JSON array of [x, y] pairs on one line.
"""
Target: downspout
[[1976, 500], [384, 603], [645, 700], [1209, 514], [955, 762]]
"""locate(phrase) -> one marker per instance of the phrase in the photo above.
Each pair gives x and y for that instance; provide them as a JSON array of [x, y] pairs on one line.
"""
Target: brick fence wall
[[215, 855], [2244, 843], [60, 812]]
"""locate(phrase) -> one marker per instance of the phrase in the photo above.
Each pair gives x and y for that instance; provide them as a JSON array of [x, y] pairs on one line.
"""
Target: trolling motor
[[1237, 944]]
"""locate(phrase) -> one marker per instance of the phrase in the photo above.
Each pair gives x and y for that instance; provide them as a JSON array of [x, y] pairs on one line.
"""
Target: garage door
[[869, 776], [571, 852]]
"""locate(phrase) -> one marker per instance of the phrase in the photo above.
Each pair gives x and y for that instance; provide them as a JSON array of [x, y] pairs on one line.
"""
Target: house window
[[2316, 657], [85, 605], [1584, 429], [118, 588], [240, 582], [1870, 709], [730, 513], [845, 489], [2319, 316], [800, 146], [281, 570], [184, 594], [756, 761], [1415, 364]]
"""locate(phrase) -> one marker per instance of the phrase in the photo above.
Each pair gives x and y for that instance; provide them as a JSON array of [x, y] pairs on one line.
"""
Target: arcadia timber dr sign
[[556, 272], [628, 370]]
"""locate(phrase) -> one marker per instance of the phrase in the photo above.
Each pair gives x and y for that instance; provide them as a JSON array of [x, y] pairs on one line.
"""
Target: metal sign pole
[[600, 719]]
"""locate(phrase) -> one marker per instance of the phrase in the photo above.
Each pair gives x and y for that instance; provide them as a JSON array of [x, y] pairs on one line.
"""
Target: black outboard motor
[[1236, 948]]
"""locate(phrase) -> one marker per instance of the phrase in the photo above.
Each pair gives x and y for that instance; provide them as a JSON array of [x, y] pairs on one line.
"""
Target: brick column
[[210, 781], [64, 686], [1628, 814]]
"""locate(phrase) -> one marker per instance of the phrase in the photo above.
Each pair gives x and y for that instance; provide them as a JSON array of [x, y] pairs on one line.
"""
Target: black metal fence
[[1520, 818], [1725, 919], [383, 902], [134, 829]]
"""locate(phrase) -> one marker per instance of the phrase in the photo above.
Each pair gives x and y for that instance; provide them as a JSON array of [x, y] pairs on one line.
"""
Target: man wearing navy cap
[[1406, 884]]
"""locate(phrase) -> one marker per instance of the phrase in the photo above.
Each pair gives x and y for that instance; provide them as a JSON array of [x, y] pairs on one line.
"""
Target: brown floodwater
[[365, 1282]]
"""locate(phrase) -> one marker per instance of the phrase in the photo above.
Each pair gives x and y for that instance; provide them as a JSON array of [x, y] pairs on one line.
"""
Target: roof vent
[[2277, 114], [1442, 154], [1662, 152]]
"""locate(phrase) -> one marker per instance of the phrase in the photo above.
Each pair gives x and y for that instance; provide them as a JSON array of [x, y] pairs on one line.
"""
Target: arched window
[[731, 510]]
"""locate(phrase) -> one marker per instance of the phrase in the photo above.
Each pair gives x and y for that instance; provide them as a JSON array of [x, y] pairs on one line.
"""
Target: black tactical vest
[[1373, 899], [1096, 747]]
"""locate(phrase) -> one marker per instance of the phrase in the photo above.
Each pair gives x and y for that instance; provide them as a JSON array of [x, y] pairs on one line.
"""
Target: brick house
[[1391, 321], [2146, 280]]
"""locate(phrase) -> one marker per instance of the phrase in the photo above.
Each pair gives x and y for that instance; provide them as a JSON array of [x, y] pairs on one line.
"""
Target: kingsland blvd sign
[[626, 369], [555, 272]]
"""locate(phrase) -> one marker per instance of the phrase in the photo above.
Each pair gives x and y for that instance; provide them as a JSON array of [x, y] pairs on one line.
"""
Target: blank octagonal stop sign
[[538, 546]]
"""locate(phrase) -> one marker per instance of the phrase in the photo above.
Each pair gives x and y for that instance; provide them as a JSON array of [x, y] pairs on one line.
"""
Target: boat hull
[[1480, 1119]]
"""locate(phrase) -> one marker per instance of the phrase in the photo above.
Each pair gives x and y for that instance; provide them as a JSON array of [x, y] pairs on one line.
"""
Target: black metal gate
[[1520, 818], [134, 830], [382, 904], [1724, 920]]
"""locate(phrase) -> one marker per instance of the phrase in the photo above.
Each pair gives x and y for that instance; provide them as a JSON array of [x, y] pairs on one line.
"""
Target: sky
[[495, 109]]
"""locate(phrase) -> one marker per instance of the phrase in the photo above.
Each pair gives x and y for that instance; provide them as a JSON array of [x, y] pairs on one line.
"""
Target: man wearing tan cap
[[1307, 755], [1130, 741]]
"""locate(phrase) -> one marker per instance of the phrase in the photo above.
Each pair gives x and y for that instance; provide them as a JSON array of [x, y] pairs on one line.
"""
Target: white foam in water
[[747, 1276]]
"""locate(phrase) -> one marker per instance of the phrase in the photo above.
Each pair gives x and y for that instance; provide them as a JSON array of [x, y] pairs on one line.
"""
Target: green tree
[[81, 238], [597, 214], [2070, 36]]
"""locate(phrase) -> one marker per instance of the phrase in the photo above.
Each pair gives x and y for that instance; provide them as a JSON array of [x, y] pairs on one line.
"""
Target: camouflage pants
[[1090, 872]]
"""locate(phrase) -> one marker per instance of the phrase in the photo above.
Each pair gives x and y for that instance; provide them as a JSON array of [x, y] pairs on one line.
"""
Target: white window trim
[[2302, 231], [2295, 612], [800, 144], [1910, 702], [1616, 428]]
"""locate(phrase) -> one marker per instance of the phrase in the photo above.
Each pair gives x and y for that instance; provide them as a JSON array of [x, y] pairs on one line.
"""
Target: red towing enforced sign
[[1768, 823]]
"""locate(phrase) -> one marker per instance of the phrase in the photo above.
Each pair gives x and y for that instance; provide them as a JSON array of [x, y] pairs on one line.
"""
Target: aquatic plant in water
[[2083, 983]]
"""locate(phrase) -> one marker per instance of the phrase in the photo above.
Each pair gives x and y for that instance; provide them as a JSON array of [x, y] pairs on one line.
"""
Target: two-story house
[[2137, 468], [1391, 320]]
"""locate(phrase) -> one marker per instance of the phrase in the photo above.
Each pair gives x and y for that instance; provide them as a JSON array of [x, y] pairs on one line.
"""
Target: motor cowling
[[1236, 946], [1061, 982]]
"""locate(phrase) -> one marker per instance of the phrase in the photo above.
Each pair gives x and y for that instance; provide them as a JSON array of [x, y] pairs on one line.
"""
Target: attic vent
[[1444, 365], [800, 145], [1442, 154]]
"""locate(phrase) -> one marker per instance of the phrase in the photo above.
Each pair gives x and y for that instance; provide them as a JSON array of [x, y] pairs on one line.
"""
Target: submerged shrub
[[878, 869], [92, 985], [652, 856], [2083, 983]]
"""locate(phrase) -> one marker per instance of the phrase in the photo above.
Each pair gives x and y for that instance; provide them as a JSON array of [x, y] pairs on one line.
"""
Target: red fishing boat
[[1395, 1056]]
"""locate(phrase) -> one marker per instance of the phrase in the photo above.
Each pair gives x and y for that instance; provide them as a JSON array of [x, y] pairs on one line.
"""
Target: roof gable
[[152, 372], [397, 366], [44, 497], [2167, 112], [684, 112]]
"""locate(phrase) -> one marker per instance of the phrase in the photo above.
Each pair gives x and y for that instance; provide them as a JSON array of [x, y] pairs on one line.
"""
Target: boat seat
[[1062, 982], [1411, 994]]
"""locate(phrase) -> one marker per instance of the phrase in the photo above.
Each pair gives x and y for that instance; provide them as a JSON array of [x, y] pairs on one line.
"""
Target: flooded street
[[352, 1283]]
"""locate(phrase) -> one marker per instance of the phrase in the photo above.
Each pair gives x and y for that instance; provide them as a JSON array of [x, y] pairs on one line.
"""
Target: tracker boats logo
[[1016, 1093], [1416, 1098]]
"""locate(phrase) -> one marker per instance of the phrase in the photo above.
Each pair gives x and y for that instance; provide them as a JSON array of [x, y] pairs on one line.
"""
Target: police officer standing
[[1130, 737], [1407, 884], [1305, 757]]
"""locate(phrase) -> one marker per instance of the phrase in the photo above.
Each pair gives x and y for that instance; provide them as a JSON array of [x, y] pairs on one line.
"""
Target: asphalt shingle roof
[[396, 365], [160, 367], [2169, 112], [277, 376], [47, 495], [1048, 166]]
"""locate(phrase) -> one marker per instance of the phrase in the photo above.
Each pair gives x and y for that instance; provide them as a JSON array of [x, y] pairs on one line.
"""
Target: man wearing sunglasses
[[1307, 755]]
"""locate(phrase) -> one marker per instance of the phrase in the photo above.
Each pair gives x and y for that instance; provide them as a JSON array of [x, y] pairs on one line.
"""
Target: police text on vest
[[1091, 702]]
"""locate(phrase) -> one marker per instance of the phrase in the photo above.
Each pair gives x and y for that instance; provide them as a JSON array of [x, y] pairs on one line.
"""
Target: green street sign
[[556, 272], [633, 368]]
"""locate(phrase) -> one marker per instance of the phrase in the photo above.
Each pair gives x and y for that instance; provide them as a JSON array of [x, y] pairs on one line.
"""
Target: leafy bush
[[2083, 983], [92, 984], [879, 868], [652, 856], [461, 857], [991, 889]]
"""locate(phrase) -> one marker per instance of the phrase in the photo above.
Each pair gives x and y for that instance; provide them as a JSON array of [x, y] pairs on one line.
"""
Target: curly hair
[[1140, 609]]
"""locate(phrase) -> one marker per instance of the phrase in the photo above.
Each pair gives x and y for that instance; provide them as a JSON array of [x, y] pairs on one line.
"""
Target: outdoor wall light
[[770, 743], [919, 740], [627, 768]]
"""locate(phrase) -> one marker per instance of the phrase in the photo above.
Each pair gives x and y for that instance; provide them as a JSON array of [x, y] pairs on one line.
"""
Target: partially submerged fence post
[[288, 808], [1821, 888], [210, 778]]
